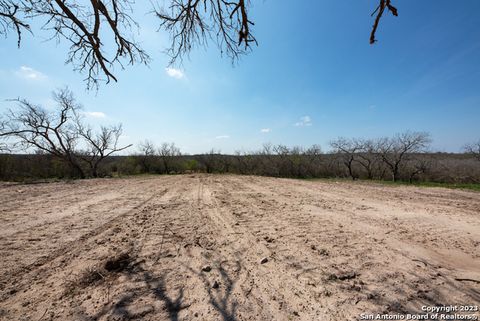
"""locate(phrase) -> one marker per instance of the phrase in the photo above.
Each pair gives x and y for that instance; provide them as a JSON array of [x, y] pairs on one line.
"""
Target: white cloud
[[174, 73], [304, 121], [29, 74], [265, 130], [95, 114], [222, 137]]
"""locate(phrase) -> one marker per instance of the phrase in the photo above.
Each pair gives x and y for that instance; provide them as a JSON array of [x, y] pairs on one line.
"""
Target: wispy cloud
[[29, 73], [222, 137], [95, 114], [265, 130], [304, 121], [174, 73]]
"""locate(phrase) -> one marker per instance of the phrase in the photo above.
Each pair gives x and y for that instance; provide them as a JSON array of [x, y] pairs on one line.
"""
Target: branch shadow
[[220, 292], [127, 306]]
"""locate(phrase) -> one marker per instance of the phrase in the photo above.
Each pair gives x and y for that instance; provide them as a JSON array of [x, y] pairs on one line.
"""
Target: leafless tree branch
[[91, 26], [379, 11], [191, 22]]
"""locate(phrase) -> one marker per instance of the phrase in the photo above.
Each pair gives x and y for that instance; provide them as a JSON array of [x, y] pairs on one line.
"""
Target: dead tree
[[101, 33], [394, 151], [99, 145], [53, 132]]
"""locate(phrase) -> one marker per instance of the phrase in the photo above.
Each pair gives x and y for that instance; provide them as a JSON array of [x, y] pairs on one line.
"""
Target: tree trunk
[[77, 171]]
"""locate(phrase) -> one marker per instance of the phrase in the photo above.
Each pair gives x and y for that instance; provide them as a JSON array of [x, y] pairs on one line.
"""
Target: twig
[[161, 244], [163, 235], [421, 261], [43, 314], [466, 279]]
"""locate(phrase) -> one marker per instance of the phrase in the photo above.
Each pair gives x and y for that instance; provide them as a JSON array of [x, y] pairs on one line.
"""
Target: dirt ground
[[214, 247]]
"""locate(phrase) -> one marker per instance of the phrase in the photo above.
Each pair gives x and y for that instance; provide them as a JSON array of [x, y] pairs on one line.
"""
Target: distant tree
[[473, 149], [313, 159], [100, 33], [417, 165], [167, 153], [241, 160], [225, 163], [191, 165], [147, 155], [347, 149], [394, 151], [210, 160], [99, 145], [367, 155]]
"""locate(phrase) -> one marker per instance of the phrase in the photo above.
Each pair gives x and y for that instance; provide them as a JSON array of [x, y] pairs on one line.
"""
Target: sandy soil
[[194, 247]]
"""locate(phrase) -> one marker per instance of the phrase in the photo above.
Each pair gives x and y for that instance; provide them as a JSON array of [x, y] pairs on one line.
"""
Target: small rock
[[216, 285], [264, 260], [268, 239], [207, 268], [332, 277], [346, 275]]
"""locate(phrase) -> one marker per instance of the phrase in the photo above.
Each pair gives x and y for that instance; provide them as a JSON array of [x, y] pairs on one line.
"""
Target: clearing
[[222, 247]]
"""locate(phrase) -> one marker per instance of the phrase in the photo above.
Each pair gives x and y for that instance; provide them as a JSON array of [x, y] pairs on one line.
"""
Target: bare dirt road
[[211, 247]]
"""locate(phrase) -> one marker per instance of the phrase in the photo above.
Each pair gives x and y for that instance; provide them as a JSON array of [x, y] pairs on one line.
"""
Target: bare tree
[[394, 151], [367, 155], [147, 154], [101, 33], [416, 166], [60, 133], [167, 153], [347, 149], [474, 149], [313, 159], [99, 145], [210, 160], [51, 132]]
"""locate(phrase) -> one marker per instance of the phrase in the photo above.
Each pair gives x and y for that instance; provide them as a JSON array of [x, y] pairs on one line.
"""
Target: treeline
[[271, 160]]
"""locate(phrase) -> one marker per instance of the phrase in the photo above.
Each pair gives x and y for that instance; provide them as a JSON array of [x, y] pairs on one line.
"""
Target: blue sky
[[313, 77]]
